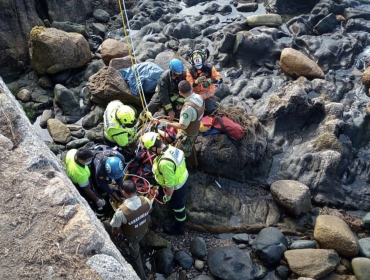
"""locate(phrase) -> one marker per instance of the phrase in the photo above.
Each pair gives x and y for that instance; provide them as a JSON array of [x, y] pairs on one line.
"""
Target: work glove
[[207, 83], [100, 203], [200, 79], [165, 124], [166, 199]]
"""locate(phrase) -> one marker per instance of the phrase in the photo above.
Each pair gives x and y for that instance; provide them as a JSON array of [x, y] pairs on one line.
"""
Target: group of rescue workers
[[184, 94]]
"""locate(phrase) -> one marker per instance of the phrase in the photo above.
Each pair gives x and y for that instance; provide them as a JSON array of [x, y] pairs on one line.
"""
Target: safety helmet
[[176, 66], [198, 57], [197, 61], [149, 139], [114, 167], [126, 115]]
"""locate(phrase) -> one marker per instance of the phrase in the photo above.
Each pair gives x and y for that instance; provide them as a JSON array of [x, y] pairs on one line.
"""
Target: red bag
[[232, 129]]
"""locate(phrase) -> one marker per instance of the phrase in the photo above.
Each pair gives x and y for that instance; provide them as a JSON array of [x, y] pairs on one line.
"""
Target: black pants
[[177, 203]]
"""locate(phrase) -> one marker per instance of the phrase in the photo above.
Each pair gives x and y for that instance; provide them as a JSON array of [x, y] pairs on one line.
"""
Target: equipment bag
[[233, 130]]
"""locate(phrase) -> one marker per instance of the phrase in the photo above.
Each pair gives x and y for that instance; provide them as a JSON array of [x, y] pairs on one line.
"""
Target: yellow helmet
[[126, 115], [149, 139]]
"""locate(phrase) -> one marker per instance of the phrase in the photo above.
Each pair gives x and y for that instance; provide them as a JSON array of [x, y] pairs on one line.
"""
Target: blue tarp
[[147, 73]]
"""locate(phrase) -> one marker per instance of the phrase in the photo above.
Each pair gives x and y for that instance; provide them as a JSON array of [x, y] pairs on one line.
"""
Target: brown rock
[[332, 232], [366, 77], [111, 48], [368, 108], [120, 63], [58, 131], [312, 263], [296, 64], [107, 85], [52, 50]]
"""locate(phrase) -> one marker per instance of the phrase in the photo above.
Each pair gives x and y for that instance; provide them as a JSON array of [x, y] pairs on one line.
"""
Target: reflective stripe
[[207, 94], [181, 220], [168, 106], [179, 210]]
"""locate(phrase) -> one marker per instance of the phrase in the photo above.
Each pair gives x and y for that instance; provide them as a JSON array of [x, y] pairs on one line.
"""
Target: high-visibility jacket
[[169, 168], [113, 130], [208, 71], [79, 174]]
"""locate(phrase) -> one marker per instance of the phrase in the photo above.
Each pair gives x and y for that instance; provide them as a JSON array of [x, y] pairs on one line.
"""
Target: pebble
[[18, 195], [242, 246], [199, 265]]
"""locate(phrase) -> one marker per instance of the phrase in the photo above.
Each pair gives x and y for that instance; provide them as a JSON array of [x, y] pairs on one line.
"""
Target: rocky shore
[[290, 200]]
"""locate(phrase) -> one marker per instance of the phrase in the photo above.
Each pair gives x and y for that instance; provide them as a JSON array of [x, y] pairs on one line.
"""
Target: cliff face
[[17, 19], [48, 229]]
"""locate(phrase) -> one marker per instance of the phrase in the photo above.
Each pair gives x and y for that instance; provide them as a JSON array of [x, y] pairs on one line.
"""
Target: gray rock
[[273, 20], [99, 29], [361, 268], [365, 223], [198, 248], [96, 134], [68, 102], [303, 244], [247, 8], [109, 268], [326, 25], [203, 277], [364, 244], [293, 196], [155, 241], [164, 260], [101, 15], [241, 238], [75, 144], [270, 245], [93, 118], [71, 27], [78, 133], [184, 259], [227, 263]]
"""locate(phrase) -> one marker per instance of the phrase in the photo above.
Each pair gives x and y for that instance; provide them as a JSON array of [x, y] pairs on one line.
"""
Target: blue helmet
[[114, 167], [176, 66]]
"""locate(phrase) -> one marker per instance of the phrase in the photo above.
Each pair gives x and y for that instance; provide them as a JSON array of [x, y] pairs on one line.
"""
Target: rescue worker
[[119, 124], [169, 169], [188, 126], [132, 220], [166, 96], [203, 77], [107, 165], [78, 171]]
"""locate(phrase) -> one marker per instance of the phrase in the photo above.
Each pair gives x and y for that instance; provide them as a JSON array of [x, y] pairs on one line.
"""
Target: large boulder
[[332, 232], [17, 19], [107, 85], [243, 160], [53, 50], [296, 64]]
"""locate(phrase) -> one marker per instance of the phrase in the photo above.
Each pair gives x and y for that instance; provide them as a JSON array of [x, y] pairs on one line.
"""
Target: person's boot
[[177, 229]]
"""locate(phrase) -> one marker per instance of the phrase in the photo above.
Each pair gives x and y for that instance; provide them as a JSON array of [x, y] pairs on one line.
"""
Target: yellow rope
[[138, 84]]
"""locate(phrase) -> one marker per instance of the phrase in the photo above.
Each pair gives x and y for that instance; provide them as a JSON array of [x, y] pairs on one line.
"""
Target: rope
[[133, 59]]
